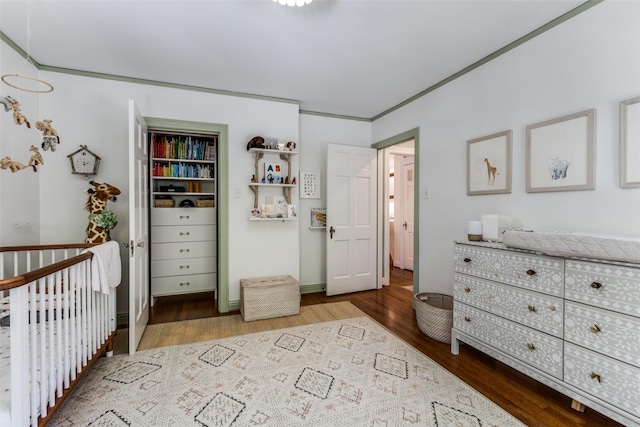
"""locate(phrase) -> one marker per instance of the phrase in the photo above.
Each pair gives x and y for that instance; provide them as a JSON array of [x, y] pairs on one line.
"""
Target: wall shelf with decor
[[272, 175]]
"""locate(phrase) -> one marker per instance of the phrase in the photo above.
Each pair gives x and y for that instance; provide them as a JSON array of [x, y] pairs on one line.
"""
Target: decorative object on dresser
[[561, 153], [572, 324], [474, 231]]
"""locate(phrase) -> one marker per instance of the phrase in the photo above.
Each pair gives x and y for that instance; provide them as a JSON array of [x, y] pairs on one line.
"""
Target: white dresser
[[571, 324], [183, 250]]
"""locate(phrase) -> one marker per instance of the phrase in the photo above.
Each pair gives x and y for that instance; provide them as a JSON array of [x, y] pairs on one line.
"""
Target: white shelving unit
[[258, 186]]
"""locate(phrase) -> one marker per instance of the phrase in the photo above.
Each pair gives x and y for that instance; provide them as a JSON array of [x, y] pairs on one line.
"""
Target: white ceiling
[[345, 57]]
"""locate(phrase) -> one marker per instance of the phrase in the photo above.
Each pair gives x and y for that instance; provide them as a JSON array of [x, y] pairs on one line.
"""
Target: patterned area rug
[[340, 373]]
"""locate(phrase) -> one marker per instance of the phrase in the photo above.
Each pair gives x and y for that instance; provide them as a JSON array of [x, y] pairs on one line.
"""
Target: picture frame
[[318, 218], [489, 164], [560, 153], [310, 185], [630, 143]]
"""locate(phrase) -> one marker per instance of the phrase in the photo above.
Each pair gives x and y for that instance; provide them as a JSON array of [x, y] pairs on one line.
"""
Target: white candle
[[474, 231]]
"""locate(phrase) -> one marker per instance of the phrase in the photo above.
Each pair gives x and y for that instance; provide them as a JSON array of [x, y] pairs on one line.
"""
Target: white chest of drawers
[[571, 324], [183, 250]]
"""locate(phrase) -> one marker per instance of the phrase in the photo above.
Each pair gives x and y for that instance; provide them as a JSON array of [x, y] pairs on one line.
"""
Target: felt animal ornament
[[36, 158], [291, 145], [12, 165], [256, 142], [6, 101], [101, 221], [50, 136], [18, 117]]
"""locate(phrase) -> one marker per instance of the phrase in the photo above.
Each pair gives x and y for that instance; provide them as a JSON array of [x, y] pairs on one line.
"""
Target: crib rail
[[58, 325]]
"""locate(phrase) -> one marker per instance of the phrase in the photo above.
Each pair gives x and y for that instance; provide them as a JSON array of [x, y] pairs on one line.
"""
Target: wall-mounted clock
[[84, 162]]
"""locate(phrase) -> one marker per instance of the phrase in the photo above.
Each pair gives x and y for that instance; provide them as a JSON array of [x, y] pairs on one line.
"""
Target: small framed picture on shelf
[[292, 211], [273, 173], [318, 217]]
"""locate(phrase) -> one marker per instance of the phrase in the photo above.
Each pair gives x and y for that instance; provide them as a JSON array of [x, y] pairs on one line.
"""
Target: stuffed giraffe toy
[[96, 204]]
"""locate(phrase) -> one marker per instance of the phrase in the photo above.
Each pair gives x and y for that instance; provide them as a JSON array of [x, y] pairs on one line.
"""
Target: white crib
[[58, 327]]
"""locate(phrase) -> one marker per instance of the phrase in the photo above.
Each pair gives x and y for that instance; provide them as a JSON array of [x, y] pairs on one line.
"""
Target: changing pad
[[581, 245]]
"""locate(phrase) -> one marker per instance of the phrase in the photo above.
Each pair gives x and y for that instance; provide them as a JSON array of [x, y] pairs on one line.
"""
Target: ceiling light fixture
[[293, 2]]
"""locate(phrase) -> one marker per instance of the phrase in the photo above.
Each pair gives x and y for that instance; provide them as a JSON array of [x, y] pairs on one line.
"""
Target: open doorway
[[398, 230]]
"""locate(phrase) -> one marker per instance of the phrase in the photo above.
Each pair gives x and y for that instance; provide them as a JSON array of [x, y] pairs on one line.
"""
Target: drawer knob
[[467, 319], [184, 234], [467, 289], [596, 377], [184, 216], [531, 272], [531, 308], [596, 285], [467, 260], [530, 346], [184, 250], [595, 329], [185, 284], [184, 266]]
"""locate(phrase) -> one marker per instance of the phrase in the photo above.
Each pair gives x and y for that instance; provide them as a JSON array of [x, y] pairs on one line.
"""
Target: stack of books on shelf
[[184, 148], [183, 170]]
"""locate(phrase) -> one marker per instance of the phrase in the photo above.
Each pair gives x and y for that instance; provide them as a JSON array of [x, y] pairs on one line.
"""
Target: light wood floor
[[531, 402]]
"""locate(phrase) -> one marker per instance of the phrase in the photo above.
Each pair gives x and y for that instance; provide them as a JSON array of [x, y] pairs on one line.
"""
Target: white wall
[[591, 61], [19, 192], [94, 112], [316, 132]]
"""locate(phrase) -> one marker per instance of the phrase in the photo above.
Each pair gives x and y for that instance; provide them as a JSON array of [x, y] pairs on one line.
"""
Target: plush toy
[[50, 136], [101, 221], [6, 101], [256, 142], [18, 117], [13, 166], [36, 158], [291, 145]]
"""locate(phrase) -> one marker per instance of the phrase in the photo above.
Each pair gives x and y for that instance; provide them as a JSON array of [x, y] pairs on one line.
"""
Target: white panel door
[[407, 201], [351, 219], [138, 227]]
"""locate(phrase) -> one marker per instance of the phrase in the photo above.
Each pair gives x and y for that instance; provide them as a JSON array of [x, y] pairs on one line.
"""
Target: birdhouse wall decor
[[84, 162]]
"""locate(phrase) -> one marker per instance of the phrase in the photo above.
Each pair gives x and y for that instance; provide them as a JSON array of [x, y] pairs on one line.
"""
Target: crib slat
[[20, 366]]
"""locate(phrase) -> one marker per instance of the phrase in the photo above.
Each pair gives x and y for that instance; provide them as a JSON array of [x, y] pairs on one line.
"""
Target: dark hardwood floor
[[531, 402]]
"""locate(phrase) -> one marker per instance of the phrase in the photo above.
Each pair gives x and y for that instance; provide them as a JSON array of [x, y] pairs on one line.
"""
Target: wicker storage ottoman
[[434, 313], [267, 297]]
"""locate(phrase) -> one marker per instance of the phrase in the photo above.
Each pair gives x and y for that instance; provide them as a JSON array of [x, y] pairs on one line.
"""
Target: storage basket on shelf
[[434, 313], [164, 203]]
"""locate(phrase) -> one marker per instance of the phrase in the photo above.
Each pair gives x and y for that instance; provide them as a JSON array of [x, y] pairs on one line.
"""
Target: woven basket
[[164, 203], [434, 313], [205, 203]]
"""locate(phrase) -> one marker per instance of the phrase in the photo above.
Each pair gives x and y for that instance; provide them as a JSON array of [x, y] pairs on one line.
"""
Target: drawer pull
[[530, 346], [184, 250], [184, 266], [596, 285], [552, 308], [596, 377], [185, 284], [467, 319], [531, 308], [531, 272], [184, 234], [467, 289], [467, 260], [595, 329], [184, 216]]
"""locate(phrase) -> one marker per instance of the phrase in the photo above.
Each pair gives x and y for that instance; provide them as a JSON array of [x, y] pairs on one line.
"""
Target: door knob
[[405, 225], [331, 231]]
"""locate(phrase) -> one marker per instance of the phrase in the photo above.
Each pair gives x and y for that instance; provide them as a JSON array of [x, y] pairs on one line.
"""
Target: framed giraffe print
[[561, 153], [489, 164]]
